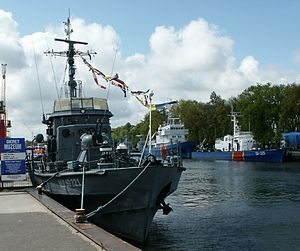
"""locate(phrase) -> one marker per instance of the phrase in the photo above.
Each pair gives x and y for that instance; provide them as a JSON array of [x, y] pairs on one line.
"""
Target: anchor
[[165, 207]]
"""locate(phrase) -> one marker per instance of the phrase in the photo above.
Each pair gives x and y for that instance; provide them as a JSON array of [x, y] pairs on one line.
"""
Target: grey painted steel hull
[[131, 214]]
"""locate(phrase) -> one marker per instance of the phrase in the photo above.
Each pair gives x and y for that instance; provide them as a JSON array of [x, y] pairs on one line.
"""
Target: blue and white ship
[[170, 140], [240, 147]]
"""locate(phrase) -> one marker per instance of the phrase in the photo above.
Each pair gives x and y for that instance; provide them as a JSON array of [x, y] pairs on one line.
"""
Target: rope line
[[91, 214]]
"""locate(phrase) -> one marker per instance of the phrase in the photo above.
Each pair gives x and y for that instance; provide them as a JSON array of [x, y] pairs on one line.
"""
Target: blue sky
[[267, 29], [179, 49]]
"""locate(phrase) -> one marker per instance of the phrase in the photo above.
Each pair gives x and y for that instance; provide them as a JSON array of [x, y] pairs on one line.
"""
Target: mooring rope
[[91, 214]]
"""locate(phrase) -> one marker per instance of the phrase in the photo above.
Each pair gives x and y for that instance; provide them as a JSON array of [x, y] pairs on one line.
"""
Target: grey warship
[[84, 169]]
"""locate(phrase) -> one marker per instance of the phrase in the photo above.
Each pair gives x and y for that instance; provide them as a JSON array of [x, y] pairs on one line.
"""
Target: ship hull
[[185, 148], [212, 155], [293, 155], [131, 213], [273, 155]]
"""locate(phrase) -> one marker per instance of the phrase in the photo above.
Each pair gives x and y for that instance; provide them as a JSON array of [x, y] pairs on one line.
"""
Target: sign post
[[13, 155]]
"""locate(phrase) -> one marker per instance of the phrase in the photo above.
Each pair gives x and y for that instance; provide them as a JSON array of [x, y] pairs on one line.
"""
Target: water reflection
[[232, 205]]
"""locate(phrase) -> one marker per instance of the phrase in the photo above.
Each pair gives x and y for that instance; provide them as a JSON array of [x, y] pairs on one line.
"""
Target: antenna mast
[[70, 54]]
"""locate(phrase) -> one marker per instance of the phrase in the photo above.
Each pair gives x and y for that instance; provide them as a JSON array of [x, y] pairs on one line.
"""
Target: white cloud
[[188, 63], [11, 49]]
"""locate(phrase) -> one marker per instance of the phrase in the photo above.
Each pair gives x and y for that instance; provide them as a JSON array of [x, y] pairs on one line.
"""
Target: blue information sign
[[13, 154]]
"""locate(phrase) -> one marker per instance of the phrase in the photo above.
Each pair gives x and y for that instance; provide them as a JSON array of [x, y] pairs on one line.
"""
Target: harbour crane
[[4, 123]]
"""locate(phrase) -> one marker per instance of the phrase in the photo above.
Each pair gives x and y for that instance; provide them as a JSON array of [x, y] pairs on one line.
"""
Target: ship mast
[[150, 122], [74, 92]]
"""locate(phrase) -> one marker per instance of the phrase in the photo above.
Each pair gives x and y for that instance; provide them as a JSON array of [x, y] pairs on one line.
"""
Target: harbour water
[[224, 205]]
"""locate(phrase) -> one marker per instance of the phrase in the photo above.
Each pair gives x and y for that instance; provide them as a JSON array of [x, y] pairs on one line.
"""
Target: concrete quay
[[30, 221]]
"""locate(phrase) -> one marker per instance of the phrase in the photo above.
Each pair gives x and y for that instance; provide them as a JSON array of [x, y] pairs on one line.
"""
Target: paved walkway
[[26, 224]]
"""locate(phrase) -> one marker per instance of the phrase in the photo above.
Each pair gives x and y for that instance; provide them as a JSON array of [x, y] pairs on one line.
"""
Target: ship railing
[[173, 157], [97, 164]]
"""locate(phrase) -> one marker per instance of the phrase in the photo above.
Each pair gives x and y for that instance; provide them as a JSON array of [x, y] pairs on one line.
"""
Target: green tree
[[219, 119], [289, 120], [122, 133], [189, 113], [205, 121], [158, 117], [260, 106]]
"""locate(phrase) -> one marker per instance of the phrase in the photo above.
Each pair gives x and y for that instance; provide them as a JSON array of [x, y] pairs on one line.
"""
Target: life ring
[[151, 158], [163, 151]]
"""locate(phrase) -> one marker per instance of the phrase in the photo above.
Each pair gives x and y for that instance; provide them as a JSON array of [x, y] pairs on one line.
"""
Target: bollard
[[39, 189], [80, 216]]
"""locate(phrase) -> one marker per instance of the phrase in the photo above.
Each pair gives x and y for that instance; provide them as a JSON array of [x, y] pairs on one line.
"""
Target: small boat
[[240, 147], [170, 139], [82, 168]]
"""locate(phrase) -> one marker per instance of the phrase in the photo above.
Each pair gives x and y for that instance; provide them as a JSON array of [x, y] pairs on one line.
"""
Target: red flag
[[96, 80]]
